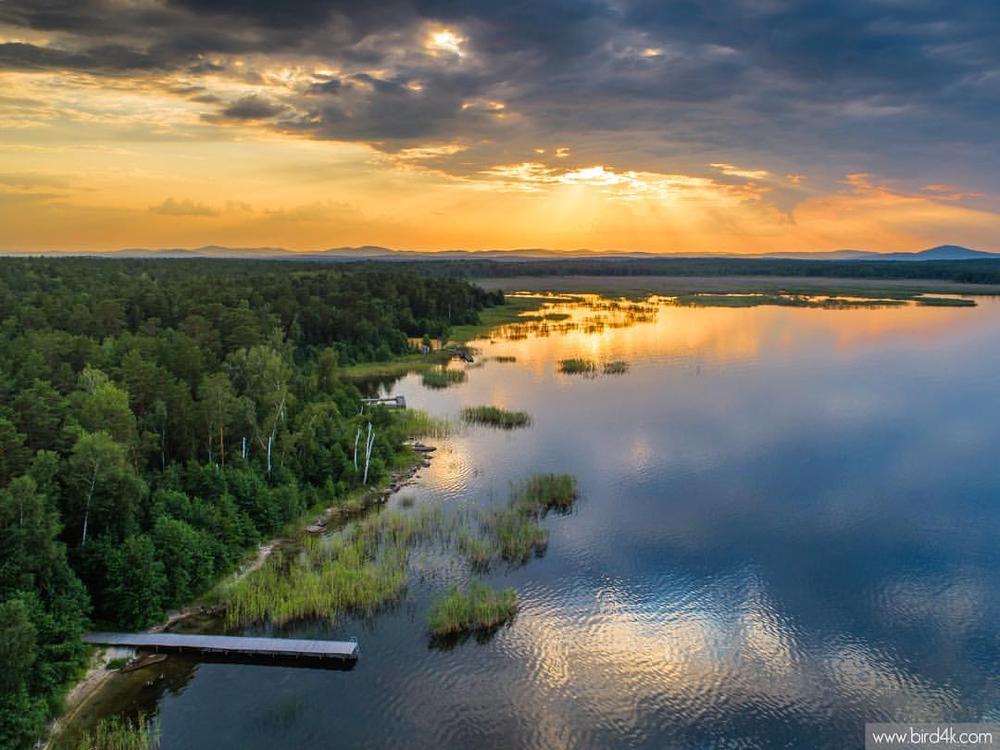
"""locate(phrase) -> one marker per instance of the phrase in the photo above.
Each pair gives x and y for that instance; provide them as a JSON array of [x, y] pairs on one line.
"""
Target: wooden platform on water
[[230, 645]]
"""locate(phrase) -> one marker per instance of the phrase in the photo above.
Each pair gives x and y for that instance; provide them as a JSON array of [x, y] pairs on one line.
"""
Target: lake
[[788, 526]]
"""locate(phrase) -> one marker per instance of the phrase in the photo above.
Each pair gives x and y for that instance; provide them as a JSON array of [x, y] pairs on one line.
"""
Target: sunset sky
[[719, 125]]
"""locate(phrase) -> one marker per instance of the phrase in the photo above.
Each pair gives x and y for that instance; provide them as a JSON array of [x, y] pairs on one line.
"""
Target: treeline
[[966, 271], [158, 418]]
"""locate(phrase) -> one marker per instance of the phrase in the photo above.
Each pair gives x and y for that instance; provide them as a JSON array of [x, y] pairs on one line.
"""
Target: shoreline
[[98, 675]]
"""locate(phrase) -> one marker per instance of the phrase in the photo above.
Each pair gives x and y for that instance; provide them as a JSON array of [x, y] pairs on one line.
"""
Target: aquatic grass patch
[[443, 378], [577, 366], [477, 607], [505, 358], [358, 569], [494, 416], [616, 367], [514, 533], [541, 492], [416, 423], [122, 733]]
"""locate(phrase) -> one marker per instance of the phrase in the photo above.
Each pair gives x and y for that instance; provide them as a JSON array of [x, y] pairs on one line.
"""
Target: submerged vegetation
[[120, 733], [494, 416], [443, 377], [477, 607], [505, 358], [577, 366]]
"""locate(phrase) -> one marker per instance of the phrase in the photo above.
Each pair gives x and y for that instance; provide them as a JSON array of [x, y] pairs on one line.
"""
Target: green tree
[[136, 583], [103, 491]]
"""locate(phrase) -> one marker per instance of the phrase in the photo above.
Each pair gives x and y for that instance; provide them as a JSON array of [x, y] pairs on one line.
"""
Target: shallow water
[[788, 526]]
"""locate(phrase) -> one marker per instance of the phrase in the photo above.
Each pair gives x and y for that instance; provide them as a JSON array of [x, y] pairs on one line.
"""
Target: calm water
[[788, 526]]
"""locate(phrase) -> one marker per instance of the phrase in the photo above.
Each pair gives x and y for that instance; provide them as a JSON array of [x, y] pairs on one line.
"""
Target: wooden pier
[[281, 649], [392, 402]]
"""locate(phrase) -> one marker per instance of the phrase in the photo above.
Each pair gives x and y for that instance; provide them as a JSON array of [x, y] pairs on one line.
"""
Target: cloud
[[645, 89], [184, 207], [251, 107], [734, 171]]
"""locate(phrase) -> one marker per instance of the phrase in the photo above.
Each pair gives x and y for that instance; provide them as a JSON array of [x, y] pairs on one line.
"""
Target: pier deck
[[279, 648]]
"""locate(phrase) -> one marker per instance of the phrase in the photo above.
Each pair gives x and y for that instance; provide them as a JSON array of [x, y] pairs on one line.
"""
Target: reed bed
[[443, 378], [121, 733], [416, 423], [543, 492], [365, 565], [514, 533], [359, 569], [577, 366], [616, 367], [477, 607], [494, 416]]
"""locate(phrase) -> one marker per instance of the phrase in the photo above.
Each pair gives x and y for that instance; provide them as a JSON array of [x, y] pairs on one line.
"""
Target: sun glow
[[446, 41]]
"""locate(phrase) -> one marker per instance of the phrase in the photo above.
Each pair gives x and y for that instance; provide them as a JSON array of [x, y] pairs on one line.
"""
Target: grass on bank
[[358, 569], [577, 366], [477, 607], [494, 416], [120, 733], [416, 423]]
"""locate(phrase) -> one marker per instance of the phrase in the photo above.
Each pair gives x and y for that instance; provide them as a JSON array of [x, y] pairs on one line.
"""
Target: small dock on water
[[391, 402], [281, 650]]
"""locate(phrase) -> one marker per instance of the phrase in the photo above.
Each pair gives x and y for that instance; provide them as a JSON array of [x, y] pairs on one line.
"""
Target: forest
[[985, 271], [159, 418]]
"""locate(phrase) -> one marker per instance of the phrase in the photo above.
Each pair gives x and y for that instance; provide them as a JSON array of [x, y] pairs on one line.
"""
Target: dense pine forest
[[158, 418]]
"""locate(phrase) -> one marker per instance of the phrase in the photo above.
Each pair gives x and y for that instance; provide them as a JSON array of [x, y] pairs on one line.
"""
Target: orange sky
[[172, 158]]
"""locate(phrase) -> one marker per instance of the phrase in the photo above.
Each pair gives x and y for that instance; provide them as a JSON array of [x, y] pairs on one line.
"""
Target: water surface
[[788, 526]]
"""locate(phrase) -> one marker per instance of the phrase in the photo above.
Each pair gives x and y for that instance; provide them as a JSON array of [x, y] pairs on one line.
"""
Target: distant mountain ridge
[[375, 252]]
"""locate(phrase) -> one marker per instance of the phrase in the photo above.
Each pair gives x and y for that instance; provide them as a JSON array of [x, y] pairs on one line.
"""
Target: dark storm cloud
[[829, 80], [252, 108]]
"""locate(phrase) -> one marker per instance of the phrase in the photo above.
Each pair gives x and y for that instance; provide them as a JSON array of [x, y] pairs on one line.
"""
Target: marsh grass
[[477, 607], [443, 378], [577, 366], [514, 533], [359, 569], [542, 492], [365, 565], [505, 358], [416, 423], [494, 416], [120, 733], [616, 367]]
